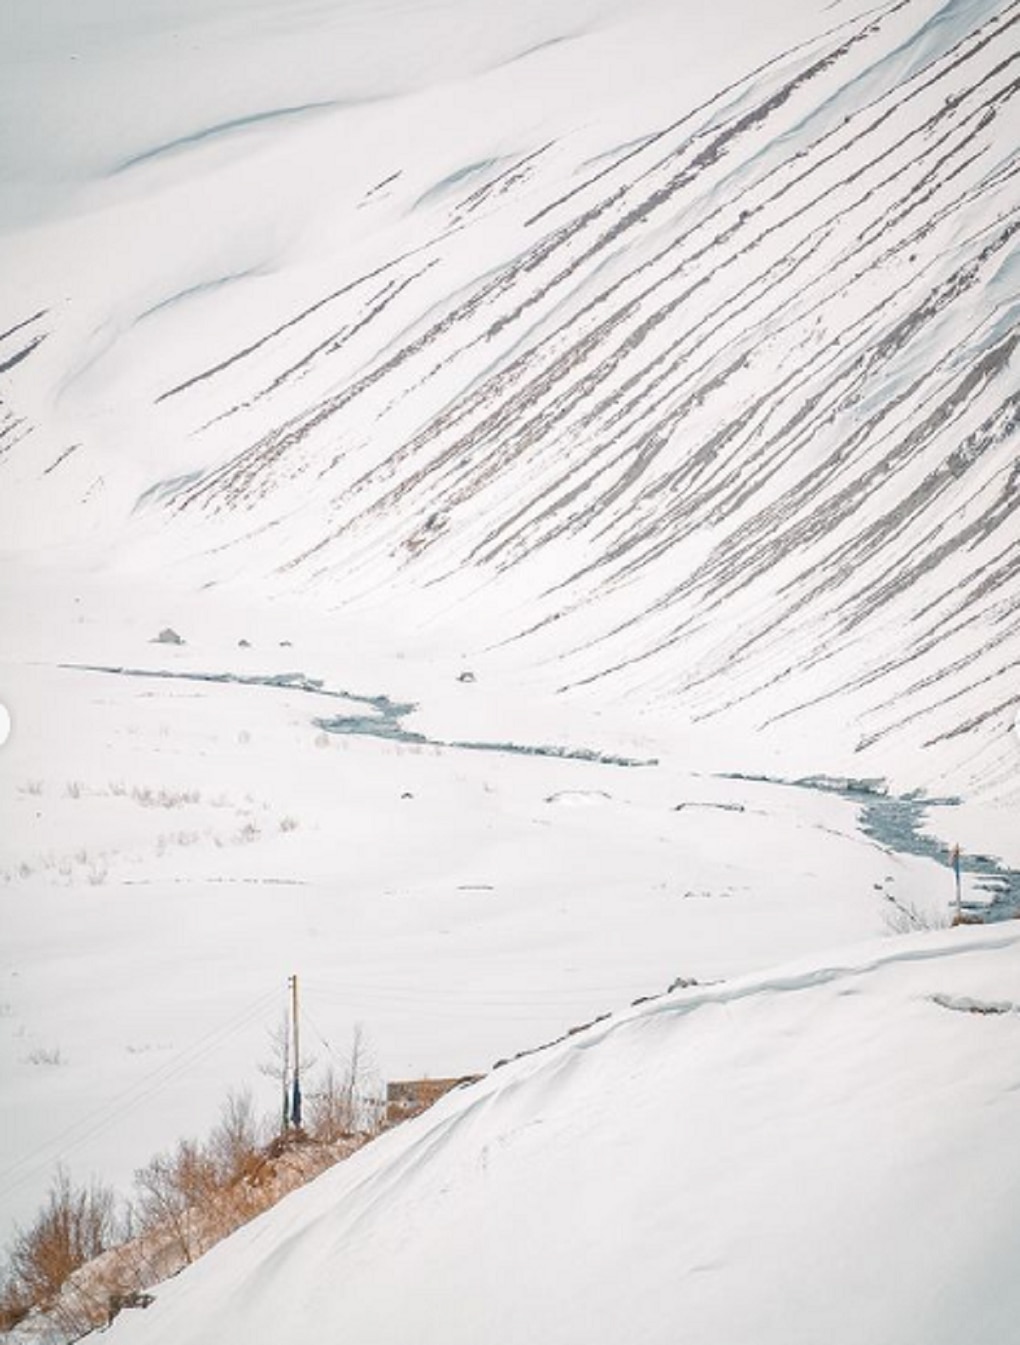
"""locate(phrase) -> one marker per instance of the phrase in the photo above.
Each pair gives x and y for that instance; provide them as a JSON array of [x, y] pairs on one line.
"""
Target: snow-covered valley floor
[[173, 849]]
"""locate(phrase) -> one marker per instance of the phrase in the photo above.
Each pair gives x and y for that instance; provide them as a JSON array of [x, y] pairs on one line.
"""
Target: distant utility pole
[[285, 1072], [295, 1101], [956, 871]]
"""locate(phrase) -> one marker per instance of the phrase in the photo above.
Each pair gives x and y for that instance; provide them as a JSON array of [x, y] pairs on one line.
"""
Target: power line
[[466, 997], [436, 1002], [318, 1032], [107, 1114], [456, 1005]]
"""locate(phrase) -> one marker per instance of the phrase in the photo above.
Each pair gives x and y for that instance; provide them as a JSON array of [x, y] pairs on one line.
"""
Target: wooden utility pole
[[295, 1101], [285, 1072], [959, 897]]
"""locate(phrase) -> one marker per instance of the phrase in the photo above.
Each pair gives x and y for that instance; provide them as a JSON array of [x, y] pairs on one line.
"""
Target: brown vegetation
[[79, 1264], [76, 1225]]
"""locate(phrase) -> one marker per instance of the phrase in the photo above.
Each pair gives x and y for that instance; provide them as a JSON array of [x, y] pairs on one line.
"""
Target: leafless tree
[[236, 1143], [173, 1190], [344, 1101]]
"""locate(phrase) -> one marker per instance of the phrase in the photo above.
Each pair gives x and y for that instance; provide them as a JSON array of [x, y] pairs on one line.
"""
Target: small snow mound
[[579, 798]]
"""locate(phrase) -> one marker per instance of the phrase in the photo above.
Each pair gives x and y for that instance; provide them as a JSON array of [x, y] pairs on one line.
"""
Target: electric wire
[[452, 995], [428, 1003], [109, 1113], [435, 1002]]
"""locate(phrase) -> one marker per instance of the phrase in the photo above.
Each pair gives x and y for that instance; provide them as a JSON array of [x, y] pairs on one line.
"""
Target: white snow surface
[[632, 379], [462, 905], [825, 1152]]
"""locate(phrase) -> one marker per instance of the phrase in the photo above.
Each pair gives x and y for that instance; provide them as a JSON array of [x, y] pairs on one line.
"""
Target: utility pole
[[959, 899], [285, 1074], [295, 1102]]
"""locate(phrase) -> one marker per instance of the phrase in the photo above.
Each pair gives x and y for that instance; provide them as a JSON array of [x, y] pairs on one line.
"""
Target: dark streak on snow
[[203, 287], [213, 370], [60, 458], [224, 128], [26, 322], [22, 354]]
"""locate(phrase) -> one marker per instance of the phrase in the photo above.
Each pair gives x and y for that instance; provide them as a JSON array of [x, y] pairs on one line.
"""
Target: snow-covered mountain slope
[[825, 1153], [681, 368]]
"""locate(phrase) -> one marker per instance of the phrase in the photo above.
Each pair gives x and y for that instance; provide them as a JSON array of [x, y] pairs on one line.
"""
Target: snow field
[[174, 849]]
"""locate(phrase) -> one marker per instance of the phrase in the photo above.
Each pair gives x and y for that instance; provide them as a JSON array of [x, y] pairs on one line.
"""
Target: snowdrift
[[826, 1153]]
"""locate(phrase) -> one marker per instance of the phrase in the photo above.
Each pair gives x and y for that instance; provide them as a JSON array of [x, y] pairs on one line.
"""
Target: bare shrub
[[78, 1265], [904, 917], [182, 838], [96, 871], [172, 1189], [74, 789], [14, 1306], [344, 1102], [235, 1145], [192, 1197], [330, 1114], [288, 823], [164, 798], [45, 1056], [34, 787], [77, 1224]]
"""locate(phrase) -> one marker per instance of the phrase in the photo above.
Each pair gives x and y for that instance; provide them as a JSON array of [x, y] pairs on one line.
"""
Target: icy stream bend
[[385, 717], [896, 821], [893, 821]]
